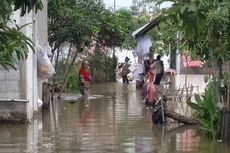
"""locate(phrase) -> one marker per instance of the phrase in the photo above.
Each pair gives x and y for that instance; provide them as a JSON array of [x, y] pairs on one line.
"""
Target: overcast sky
[[119, 3], [126, 4]]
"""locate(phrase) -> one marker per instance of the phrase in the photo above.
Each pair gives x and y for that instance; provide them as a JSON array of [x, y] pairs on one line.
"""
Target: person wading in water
[[125, 70], [158, 70], [84, 76]]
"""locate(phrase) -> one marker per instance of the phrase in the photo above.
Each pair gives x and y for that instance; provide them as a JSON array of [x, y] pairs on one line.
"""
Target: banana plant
[[206, 111]]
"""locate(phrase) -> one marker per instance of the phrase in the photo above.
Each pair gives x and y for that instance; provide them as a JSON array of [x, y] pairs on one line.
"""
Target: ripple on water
[[116, 122]]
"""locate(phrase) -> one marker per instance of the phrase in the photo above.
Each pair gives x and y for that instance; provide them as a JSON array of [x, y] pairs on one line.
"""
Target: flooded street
[[113, 119]]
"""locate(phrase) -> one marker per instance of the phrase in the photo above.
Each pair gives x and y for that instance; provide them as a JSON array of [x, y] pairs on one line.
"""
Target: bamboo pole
[[228, 95]]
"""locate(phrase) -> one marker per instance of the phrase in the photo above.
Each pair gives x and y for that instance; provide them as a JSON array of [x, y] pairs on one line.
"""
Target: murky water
[[113, 119]]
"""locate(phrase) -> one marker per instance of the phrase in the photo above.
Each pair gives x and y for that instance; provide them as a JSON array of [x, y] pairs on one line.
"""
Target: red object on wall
[[188, 62]]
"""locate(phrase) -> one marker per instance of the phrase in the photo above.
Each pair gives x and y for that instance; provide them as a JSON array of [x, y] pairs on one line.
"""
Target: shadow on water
[[112, 119]]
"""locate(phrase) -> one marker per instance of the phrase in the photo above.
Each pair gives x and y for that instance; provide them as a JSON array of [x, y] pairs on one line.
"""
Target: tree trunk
[[225, 124], [66, 63], [67, 73], [56, 46], [67, 60], [55, 67], [225, 115], [45, 95], [179, 117], [228, 94]]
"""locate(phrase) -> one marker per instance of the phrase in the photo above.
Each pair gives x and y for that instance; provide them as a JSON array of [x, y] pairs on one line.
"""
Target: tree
[[75, 23], [13, 46], [13, 43], [72, 23], [205, 29], [114, 28]]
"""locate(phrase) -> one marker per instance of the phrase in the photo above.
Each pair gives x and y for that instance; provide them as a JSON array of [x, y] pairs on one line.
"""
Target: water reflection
[[112, 119]]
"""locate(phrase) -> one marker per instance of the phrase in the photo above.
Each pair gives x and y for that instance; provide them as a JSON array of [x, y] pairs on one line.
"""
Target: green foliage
[[24, 5], [137, 21], [145, 6], [78, 22], [73, 81], [206, 111], [115, 29], [13, 43], [204, 26], [102, 68], [162, 34], [5, 10], [60, 68], [27, 5], [13, 46]]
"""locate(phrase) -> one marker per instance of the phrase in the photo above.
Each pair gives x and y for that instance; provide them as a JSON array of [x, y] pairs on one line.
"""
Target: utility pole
[[134, 3], [114, 5]]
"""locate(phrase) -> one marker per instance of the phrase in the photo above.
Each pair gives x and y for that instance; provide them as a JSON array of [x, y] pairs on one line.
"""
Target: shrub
[[72, 84], [206, 111], [102, 68]]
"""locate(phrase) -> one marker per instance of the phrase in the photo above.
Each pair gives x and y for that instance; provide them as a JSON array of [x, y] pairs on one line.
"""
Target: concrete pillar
[[41, 29], [178, 61], [29, 70]]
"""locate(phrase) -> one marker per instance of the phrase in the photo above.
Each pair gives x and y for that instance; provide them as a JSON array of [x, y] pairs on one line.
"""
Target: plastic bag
[[44, 65], [48, 50]]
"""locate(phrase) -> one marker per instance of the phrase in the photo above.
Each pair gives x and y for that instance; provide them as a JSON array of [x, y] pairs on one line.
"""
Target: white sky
[[126, 4], [119, 3]]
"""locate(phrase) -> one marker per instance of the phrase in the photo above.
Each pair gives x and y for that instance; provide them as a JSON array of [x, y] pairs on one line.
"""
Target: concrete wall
[[10, 80], [190, 76], [10, 84], [13, 111], [13, 83], [23, 84]]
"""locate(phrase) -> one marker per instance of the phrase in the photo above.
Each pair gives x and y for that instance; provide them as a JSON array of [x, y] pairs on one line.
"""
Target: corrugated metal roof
[[144, 29]]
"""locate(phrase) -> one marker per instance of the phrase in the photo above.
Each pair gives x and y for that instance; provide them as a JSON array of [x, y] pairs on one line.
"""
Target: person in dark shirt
[[158, 70]]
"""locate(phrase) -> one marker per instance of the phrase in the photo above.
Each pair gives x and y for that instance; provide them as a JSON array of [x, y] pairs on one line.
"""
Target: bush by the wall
[[102, 68]]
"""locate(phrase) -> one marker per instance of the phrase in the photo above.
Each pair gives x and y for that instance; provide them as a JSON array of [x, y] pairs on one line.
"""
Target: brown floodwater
[[112, 120]]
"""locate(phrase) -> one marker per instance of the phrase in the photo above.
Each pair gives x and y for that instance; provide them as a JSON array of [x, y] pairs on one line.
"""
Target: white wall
[[23, 83], [192, 79], [29, 69], [9, 84], [10, 80]]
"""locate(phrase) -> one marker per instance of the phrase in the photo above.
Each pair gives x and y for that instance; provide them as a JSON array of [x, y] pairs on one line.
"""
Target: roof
[[144, 29]]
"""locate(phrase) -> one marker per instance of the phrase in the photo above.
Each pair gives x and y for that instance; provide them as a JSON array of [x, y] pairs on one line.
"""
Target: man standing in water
[[84, 78], [158, 70], [125, 70]]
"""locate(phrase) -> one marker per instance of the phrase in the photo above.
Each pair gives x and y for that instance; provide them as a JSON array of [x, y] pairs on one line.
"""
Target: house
[[187, 70], [20, 89]]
